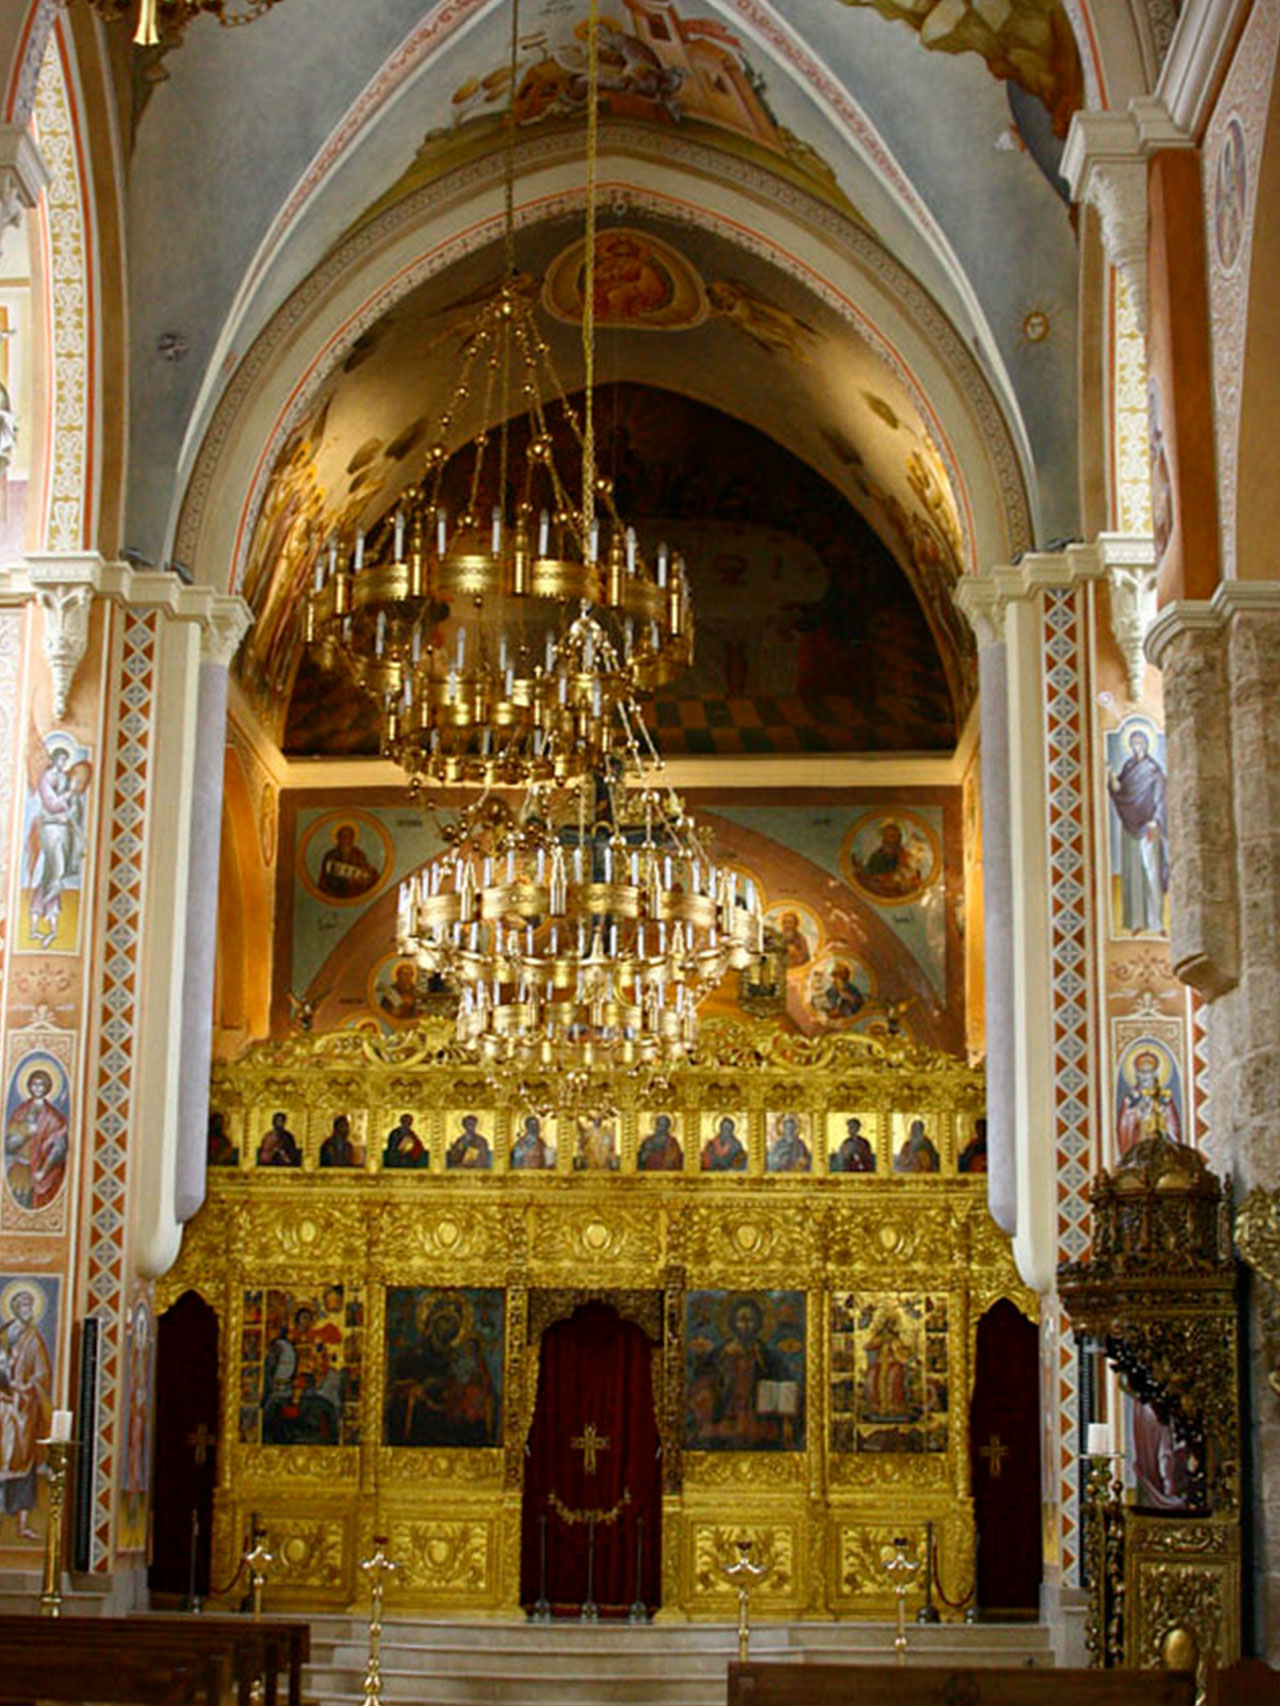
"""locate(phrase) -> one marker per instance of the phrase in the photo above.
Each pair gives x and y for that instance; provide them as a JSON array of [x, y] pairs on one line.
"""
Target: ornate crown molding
[[1105, 163], [23, 175]]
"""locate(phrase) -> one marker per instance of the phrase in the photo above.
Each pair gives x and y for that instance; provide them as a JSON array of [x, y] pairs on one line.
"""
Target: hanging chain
[[508, 247], [589, 280]]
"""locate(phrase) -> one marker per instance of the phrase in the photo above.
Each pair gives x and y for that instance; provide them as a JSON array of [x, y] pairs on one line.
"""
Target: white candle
[[1099, 1439], [399, 536], [442, 522], [631, 550], [544, 533], [662, 565], [60, 1427], [359, 564], [497, 530]]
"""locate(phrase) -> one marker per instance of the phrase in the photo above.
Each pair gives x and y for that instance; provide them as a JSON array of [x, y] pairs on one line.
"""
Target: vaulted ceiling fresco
[[932, 127], [809, 635]]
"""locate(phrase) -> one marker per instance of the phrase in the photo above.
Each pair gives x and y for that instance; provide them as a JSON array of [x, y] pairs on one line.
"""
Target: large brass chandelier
[[452, 615], [584, 928]]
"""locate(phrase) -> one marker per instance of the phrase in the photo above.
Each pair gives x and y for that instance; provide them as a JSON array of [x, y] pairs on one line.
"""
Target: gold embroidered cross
[[995, 1451], [589, 1442], [201, 1440]]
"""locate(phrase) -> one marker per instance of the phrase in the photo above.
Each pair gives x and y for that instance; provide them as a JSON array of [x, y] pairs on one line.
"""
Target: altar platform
[[509, 1663]]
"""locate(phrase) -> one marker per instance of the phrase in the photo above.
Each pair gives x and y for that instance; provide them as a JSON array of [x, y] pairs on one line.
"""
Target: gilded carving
[[1180, 1596], [862, 1553], [306, 1553], [418, 1468], [1257, 1236], [604, 1237], [744, 1469], [643, 1242], [772, 1546], [759, 1237], [324, 1464], [447, 1557]]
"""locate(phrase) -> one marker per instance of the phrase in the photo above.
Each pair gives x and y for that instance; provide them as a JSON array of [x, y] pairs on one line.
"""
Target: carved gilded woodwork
[[550, 1240], [1181, 1575], [774, 1546], [1158, 1292], [1257, 1235]]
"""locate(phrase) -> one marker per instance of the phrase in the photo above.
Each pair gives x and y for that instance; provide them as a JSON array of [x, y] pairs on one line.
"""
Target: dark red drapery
[[186, 1462], [594, 1375], [1004, 1443]]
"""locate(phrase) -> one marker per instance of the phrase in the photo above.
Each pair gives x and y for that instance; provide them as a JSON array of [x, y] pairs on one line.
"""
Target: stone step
[[495, 1662]]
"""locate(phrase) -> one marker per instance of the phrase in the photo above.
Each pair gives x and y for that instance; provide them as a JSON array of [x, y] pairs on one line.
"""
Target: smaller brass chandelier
[[584, 929], [175, 15]]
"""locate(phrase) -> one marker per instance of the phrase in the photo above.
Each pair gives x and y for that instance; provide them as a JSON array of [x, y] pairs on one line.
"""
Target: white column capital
[[65, 585], [225, 623], [984, 598], [1105, 165], [23, 175], [1131, 578], [1210, 616]]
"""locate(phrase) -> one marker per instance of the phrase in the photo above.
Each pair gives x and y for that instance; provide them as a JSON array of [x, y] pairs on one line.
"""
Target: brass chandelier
[[583, 929], [177, 14], [454, 619]]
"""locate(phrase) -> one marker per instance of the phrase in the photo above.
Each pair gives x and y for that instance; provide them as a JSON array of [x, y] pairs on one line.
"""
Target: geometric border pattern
[[68, 305], [114, 1097], [1069, 1001]]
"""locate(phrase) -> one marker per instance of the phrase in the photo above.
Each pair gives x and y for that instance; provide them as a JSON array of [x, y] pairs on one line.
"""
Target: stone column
[[980, 600], [1032, 621], [1221, 659], [224, 629]]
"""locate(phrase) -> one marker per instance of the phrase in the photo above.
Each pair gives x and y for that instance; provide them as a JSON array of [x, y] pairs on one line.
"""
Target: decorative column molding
[[1003, 607], [1191, 74], [1105, 164], [65, 587], [1216, 687], [23, 175], [225, 624], [1131, 578]]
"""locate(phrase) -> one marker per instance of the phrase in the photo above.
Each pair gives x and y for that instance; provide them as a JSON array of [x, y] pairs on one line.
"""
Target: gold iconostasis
[[799, 1226]]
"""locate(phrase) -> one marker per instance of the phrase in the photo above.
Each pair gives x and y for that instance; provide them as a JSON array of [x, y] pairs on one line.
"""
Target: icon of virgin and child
[[444, 1385]]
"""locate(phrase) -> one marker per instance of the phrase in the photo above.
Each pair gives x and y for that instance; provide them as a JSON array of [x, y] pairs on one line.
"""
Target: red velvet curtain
[[595, 1383], [1004, 1446], [186, 1462]]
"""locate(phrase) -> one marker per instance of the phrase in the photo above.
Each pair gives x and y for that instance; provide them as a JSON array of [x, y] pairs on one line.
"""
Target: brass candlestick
[[1104, 1553], [902, 1570], [377, 1567], [57, 1452], [258, 1560], [744, 1574]]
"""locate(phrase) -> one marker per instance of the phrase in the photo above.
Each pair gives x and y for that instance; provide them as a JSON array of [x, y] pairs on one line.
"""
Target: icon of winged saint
[[58, 785]]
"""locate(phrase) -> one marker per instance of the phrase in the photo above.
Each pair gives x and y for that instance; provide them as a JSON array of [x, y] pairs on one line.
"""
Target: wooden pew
[[1248, 1682], [953, 1685], [66, 1667], [285, 1642], [241, 1650]]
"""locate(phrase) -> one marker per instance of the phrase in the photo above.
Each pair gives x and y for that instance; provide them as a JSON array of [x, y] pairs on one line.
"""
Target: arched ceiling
[[863, 192]]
